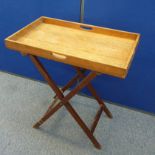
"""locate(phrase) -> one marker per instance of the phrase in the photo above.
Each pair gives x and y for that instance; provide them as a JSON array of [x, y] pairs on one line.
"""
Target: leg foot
[[98, 146], [37, 125]]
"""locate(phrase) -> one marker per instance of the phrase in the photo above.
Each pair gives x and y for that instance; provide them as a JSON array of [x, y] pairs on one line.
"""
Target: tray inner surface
[[84, 44]]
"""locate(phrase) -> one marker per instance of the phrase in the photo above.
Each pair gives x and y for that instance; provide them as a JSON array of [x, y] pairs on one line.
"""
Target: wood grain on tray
[[96, 48]]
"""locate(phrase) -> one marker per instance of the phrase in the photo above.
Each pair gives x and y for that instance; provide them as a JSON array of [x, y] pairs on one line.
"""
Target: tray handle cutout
[[59, 56], [86, 27]]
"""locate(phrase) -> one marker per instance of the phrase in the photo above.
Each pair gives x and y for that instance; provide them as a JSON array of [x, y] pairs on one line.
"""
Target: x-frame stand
[[61, 100]]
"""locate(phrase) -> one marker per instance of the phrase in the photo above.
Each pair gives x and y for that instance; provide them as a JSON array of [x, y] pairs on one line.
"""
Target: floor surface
[[23, 101]]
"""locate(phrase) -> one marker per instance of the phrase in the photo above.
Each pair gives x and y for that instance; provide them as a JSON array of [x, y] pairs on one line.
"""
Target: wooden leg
[[83, 125], [64, 100], [46, 76], [47, 115], [96, 120], [94, 93], [70, 83], [56, 100]]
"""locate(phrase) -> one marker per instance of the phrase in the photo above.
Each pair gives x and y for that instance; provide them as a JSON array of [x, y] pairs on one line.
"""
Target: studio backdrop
[[136, 91]]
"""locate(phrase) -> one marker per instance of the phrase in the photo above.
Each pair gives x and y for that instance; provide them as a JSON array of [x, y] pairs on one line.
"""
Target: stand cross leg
[[94, 93], [61, 100]]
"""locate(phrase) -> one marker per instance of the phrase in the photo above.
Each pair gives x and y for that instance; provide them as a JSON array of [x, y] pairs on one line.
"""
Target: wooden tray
[[96, 48]]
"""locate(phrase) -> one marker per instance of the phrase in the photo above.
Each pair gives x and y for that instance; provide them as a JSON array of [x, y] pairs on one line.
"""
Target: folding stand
[[61, 100]]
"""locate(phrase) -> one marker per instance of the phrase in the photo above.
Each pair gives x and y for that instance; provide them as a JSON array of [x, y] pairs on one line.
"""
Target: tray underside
[[103, 50]]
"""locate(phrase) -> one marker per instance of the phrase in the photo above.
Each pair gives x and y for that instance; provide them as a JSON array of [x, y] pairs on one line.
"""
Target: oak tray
[[95, 48]]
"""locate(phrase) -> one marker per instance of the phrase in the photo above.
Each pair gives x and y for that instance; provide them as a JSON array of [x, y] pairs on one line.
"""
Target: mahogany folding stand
[[85, 47], [64, 100]]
